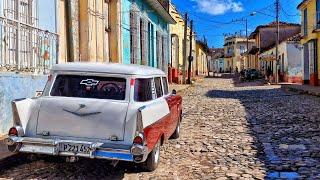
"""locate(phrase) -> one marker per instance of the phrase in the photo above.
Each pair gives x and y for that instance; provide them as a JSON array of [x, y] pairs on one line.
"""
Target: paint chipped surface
[[15, 86]]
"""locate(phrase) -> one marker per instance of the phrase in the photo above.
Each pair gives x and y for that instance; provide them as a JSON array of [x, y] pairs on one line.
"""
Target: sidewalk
[[302, 89], [3, 149]]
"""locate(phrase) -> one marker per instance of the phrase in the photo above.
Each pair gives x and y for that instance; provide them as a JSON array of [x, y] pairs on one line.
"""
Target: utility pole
[[247, 38], [185, 48], [190, 53], [277, 4], [247, 43]]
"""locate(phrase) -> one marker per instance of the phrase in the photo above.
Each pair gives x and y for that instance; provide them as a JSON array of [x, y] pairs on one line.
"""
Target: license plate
[[75, 148]]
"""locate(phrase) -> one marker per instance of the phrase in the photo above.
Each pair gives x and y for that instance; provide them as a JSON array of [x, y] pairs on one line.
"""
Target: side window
[[165, 85], [157, 82], [143, 90]]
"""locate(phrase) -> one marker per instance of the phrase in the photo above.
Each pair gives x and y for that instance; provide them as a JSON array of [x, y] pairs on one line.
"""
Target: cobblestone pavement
[[229, 131]]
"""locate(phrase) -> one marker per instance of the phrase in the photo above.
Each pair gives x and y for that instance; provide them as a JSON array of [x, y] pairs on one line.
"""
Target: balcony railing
[[25, 48]]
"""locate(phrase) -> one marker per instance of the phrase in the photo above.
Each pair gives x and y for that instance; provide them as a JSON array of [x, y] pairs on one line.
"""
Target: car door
[[173, 106]]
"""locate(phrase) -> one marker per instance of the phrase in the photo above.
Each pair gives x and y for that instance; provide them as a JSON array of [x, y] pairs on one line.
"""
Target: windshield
[[89, 87]]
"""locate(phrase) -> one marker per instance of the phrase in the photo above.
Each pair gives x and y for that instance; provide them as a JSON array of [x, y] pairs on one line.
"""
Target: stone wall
[[15, 86]]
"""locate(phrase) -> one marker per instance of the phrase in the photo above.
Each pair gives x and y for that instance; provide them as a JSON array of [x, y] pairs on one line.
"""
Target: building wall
[[217, 64], [177, 37], [62, 31], [311, 35], [201, 58], [239, 61], [291, 69], [115, 31], [228, 64], [82, 29], [144, 10], [16, 86], [294, 63]]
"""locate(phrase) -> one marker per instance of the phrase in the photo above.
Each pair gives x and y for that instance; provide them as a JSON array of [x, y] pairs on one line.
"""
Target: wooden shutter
[[144, 42], [134, 36], [165, 53], [159, 50]]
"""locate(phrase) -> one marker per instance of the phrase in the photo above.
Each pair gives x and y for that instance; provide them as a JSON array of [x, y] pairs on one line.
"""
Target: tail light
[[139, 139], [13, 131]]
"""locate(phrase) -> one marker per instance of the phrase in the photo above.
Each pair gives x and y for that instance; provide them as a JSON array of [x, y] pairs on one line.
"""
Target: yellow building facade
[[177, 44], [89, 31], [201, 59], [310, 20]]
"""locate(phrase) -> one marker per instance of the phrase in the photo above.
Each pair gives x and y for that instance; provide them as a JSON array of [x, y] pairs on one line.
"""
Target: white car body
[[106, 127]]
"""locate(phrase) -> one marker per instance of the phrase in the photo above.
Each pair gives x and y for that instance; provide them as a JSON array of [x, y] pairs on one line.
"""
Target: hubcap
[[157, 154], [178, 128]]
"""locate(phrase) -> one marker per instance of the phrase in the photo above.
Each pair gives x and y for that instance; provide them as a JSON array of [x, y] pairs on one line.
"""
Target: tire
[[176, 133], [153, 159]]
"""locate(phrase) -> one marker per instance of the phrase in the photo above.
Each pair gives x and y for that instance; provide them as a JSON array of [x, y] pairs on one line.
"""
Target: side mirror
[[174, 92], [38, 94]]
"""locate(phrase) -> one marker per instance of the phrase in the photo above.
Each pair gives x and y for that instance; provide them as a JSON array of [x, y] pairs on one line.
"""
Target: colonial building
[[28, 48], [118, 31], [29, 36], [290, 52], [201, 58], [265, 37], [216, 60], [310, 20], [177, 41], [85, 30], [145, 32], [235, 48]]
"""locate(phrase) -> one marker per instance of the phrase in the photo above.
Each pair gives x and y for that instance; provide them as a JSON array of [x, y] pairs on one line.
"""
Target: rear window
[[89, 87], [143, 90]]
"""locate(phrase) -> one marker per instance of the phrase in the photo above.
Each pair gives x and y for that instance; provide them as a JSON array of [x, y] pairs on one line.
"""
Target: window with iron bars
[[24, 47]]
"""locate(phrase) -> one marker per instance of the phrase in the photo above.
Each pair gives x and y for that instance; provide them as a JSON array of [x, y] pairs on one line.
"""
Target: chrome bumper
[[51, 147]]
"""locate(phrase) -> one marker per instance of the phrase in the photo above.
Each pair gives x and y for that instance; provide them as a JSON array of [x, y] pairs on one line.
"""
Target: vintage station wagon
[[109, 111]]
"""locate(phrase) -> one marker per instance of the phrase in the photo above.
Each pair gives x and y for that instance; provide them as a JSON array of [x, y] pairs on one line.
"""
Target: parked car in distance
[[105, 111], [249, 75]]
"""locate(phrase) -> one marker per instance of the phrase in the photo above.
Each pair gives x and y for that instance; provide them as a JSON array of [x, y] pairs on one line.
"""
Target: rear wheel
[[153, 159]]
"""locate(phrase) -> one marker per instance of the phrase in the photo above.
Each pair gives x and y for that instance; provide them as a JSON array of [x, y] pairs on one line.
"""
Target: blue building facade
[[24, 64], [145, 32]]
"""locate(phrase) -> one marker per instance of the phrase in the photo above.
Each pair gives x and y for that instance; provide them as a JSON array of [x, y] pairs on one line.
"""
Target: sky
[[215, 18]]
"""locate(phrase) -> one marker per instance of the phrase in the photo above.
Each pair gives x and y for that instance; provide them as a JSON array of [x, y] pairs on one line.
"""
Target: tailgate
[[82, 118]]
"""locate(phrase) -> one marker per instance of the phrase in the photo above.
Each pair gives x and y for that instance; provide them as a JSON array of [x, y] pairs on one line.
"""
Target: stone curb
[[301, 91]]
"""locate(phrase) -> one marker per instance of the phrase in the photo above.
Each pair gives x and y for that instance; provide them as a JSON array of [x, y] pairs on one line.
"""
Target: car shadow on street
[[285, 129], [21, 167]]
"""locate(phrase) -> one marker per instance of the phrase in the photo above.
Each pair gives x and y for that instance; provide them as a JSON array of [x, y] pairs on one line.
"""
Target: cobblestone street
[[229, 131]]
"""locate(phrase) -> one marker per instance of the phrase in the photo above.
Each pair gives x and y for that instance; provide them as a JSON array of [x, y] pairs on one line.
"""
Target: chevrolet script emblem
[[90, 82]]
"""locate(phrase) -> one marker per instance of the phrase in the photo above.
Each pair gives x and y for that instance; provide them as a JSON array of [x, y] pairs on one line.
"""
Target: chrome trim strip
[[51, 147]]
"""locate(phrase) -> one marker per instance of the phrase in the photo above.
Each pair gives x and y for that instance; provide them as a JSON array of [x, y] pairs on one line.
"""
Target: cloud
[[218, 7]]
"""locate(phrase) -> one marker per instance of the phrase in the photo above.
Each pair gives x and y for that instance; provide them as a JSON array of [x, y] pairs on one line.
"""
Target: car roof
[[112, 68]]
